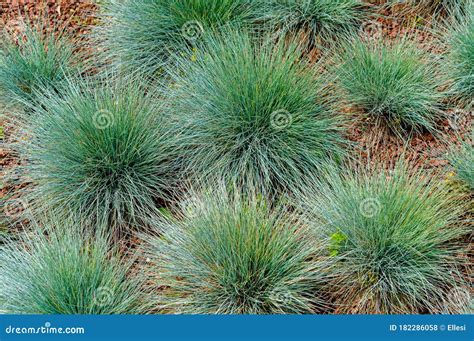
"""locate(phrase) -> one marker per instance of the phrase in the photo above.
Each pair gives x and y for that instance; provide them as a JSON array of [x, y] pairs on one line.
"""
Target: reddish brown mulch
[[421, 149]]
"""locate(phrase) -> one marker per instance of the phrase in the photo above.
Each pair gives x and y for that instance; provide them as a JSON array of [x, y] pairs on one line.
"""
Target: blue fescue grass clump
[[396, 235], [427, 10], [231, 254], [60, 270], [254, 113], [461, 57], [462, 161], [439, 8], [322, 20], [144, 35], [103, 150], [34, 61], [394, 83]]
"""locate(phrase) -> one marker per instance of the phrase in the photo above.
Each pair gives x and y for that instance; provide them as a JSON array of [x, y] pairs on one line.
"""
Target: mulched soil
[[424, 150], [77, 15]]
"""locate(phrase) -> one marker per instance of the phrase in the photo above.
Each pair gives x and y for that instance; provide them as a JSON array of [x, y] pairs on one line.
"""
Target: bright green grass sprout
[[144, 35], [322, 20], [33, 62], [62, 271], [230, 254], [395, 84], [255, 114], [462, 58], [397, 236], [462, 160], [104, 151]]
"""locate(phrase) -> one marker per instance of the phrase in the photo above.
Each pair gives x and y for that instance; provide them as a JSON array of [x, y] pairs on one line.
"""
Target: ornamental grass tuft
[[232, 254], [462, 161], [461, 58], [144, 35], [60, 270], [439, 8], [393, 83], [255, 113], [34, 61], [397, 237], [322, 21], [104, 151]]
